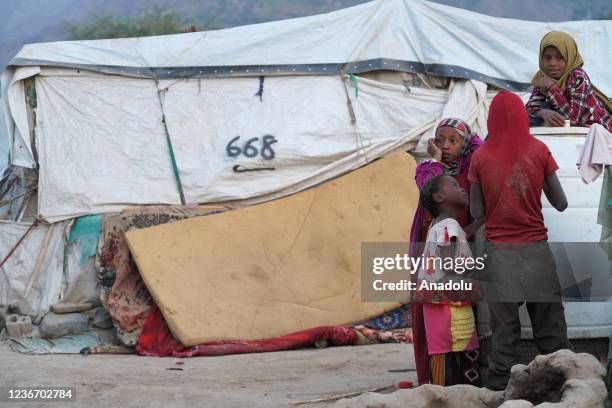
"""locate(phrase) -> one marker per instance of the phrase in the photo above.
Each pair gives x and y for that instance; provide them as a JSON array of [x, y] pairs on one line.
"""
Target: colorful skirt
[[459, 367]]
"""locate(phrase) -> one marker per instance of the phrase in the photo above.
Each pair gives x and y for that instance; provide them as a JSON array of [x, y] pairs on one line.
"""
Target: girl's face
[[452, 193], [553, 62], [450, 142]]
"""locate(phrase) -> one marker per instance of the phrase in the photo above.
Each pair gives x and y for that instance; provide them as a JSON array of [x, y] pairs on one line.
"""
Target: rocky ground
[[252, 380], [287, 379], [563, 379]]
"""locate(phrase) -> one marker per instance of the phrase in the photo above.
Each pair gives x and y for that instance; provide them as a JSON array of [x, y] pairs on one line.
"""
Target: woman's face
[[553, 62], [450, 142]]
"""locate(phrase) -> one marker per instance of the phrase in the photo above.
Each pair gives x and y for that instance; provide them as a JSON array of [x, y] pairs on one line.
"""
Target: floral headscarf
[[464, 130]]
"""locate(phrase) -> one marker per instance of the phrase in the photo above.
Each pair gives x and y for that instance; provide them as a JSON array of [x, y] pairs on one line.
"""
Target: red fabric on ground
[[157, 340]]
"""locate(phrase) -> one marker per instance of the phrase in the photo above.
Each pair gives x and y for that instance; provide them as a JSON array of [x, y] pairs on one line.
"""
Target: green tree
[[153, 20]]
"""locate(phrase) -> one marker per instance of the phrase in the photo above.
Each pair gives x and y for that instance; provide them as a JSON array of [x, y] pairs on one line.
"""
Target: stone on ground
[[59, 325], [562, 379]]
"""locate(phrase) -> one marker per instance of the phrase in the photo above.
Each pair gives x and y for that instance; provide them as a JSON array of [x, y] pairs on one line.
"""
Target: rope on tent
[[261, 88], [351, 109], [177, 177], [349, 103], [356, 84], [12, 251]]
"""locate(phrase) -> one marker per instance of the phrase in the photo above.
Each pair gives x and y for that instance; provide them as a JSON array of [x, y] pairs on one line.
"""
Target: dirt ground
[[250, 380]]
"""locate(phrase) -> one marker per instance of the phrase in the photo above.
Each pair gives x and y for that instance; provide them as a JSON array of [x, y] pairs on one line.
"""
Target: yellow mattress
[[278, 267]]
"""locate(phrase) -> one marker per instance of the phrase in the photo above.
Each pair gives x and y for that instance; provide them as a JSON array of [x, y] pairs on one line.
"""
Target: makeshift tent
[[241, 115], [268, 97]]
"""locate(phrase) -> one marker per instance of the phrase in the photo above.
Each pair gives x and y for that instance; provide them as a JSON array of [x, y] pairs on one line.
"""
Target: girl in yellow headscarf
[[562, 90]]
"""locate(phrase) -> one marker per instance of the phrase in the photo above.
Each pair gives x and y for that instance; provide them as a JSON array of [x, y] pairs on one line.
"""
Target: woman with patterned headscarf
[[451, 149], [562, 90]]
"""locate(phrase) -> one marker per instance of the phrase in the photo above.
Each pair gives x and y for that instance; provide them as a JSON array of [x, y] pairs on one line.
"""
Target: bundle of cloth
[[124, 294], [140, 326], [157, 340]]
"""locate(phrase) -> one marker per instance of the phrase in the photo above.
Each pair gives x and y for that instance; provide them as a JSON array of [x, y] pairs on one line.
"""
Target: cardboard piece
[[278, 267]]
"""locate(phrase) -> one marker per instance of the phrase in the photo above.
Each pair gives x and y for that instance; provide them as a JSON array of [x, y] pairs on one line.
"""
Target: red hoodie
[[511, 167]]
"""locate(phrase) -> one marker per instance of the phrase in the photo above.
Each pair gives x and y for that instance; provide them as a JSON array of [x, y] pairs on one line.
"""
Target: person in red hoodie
[[508, 174]]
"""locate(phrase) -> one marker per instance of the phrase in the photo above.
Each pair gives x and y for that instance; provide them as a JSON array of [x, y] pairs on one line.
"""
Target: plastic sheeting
[[80, 280], [64, 345], [14, 127], [21, 282], [102, 145], [54, 282], [416, 31], [7, 126]]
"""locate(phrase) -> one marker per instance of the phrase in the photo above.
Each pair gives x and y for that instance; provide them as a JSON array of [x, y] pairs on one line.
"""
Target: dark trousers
[[549, 334], [524, 274]]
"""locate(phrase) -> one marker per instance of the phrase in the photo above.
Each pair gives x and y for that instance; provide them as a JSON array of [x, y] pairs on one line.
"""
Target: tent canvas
[[100, 102], [403, 35]]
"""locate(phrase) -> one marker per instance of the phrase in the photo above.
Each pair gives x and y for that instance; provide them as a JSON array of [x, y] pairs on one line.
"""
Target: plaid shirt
[[578, 102]]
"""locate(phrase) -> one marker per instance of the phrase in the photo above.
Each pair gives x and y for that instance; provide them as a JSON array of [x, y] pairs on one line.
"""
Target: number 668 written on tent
[[250, 149]]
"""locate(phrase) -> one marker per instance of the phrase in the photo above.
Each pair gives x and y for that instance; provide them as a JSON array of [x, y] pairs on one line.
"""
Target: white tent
[[256, 112]]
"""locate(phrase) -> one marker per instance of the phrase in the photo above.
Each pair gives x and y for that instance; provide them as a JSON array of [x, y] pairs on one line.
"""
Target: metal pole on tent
[[177, 176]]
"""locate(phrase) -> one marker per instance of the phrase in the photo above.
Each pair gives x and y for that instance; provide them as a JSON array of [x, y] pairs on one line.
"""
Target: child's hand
[[544, 82], [473, 228], [551, 118], [434, 150]]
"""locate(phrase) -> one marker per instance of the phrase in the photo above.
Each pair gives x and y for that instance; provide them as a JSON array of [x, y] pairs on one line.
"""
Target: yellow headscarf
[[566, 45]]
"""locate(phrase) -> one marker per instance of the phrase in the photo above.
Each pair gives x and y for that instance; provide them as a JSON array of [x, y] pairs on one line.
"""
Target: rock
[[608, 381], [58, 325], [101, 319], [63, 308], [536, 385], [562, 379], [426, 396], [18, 326], [518, 375], [516, 404]]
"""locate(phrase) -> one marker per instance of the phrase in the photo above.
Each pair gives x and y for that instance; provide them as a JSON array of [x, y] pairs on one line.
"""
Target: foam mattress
[[279, 267]]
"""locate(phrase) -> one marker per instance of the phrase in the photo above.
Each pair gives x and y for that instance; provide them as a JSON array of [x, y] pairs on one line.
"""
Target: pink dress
[[448, 315]]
